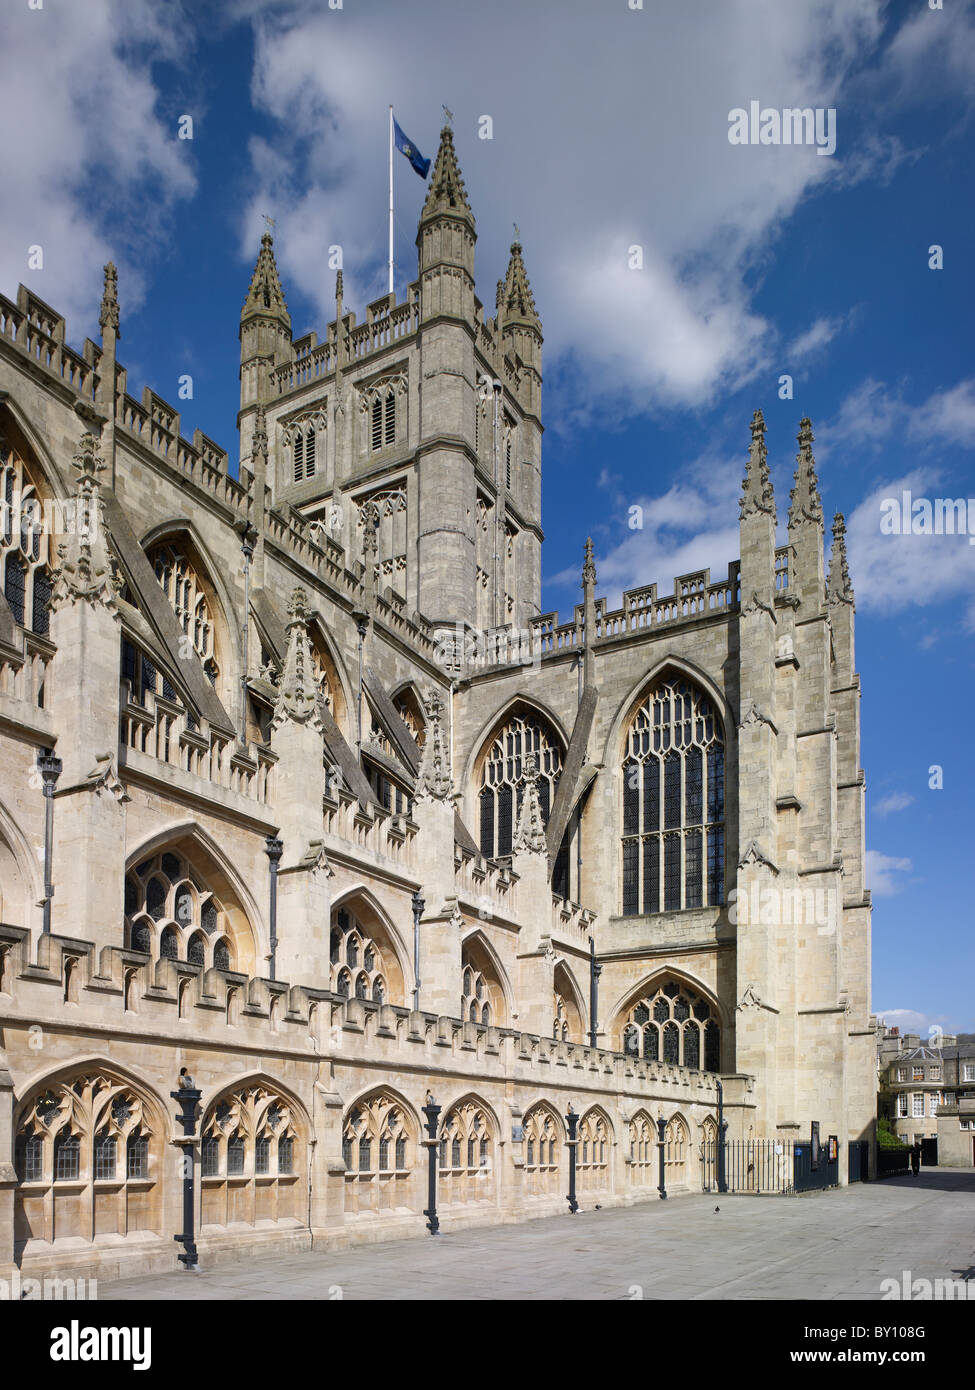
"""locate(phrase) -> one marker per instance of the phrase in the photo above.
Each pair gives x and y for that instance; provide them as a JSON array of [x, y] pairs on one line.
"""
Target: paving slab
[[834, 1245]]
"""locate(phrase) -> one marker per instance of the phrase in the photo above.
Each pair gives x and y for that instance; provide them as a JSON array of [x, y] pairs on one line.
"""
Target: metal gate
[[766, 1166], [812, 1171], [858, 1161]]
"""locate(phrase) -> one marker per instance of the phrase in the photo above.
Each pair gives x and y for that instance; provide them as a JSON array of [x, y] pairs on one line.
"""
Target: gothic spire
[[804, 503], [529, 834], [446, 192], [434, 780], [85, 570], [757, 495], [108, 316], [297, 692], [516, 295], [839, 587], [265, 295]]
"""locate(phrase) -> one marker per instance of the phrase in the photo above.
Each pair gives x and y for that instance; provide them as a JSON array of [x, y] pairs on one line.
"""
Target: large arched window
[[378, 1148], [673, 803], [189, 598], [643, 1150], [675, 1025], [542, 1145], [252, 1160], [502, 778], [593, 1152], [24, 543], [357, 966], [170, 913], [88, 1156], [482, 991], [466, 1142]]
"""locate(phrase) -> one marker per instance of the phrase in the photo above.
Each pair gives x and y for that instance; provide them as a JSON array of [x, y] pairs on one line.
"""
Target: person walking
[[916, 1157]]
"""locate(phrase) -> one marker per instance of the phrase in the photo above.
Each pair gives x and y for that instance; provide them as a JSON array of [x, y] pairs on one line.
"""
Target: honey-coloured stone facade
[[302, 793]]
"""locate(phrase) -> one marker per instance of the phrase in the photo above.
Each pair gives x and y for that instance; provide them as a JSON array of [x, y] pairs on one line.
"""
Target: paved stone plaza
[[833, 1245]]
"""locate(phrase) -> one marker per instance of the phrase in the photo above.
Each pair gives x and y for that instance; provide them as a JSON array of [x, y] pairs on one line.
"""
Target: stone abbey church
[[300, 791]]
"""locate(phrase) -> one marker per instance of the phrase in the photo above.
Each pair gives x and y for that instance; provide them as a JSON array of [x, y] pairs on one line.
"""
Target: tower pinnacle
[[447, 192], [757, 494], [805, 506], [517, 300], [839, 587], [265, 295]]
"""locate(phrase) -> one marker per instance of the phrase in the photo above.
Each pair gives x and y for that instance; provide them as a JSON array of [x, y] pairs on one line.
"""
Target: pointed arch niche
[[180, 904]]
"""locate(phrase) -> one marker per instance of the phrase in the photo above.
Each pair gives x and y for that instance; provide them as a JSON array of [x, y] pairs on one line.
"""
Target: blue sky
[[610, 130]]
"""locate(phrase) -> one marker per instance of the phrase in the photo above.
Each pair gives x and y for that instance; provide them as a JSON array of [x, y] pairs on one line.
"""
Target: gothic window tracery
[[643, 1150], [673, 803], [252, 1156], [301, 436], [465, 1154], [384, 514], [168, 911], [25, 544], [676, 1025], [560, 1027], [475, 1006], [676, 1140], [87, 1156], [358, 967], [541, 1147], [383, 406], [378, 1148], [502, 774], [592, 1153], [187, 596]]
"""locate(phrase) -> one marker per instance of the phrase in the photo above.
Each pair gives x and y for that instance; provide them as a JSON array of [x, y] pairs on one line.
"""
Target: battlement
[[213, 1007]]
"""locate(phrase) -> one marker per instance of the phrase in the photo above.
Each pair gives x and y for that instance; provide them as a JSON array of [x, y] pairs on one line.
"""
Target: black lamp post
[[418, 905], [722, 1126], [661, 1140], [49, 767], [572, 1143], [432, 1112], [595, 970], [188, 1098], [274, 848]]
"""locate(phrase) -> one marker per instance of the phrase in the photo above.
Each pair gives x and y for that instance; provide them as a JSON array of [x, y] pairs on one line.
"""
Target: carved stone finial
[[298, 692], [434, 780], [86, 569], [757, 494], [839, 587], [529, 837], [589, 566], [108, 316], [805, 507]]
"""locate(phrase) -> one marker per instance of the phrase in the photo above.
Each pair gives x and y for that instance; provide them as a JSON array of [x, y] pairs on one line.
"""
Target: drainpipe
[[49, 767], [418, 906], [247, 538], [595, 971], [273, 848]]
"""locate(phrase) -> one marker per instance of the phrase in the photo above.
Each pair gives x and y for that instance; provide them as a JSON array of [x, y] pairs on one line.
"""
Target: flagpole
[[391, 200]]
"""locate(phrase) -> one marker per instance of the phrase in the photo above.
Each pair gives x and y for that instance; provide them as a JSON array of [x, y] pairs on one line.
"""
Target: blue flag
[[407, 147]]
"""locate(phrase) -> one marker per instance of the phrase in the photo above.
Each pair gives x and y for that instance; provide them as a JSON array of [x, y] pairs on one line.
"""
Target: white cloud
[[655, 162], [88, 167], [911, 1021], [682, 530], [896, 801], [940, 567], [816, 337], [882, 873]]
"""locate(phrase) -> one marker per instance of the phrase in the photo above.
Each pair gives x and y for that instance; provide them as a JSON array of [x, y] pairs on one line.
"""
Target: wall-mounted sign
[[517, 1133], [834, 1148], [814, 1144]]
